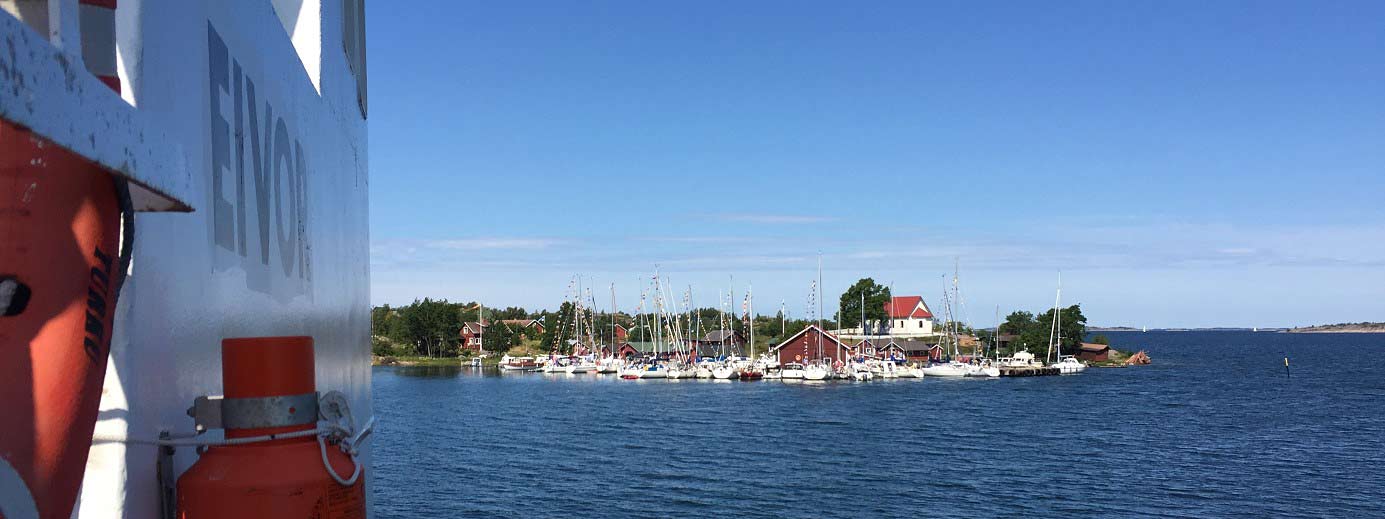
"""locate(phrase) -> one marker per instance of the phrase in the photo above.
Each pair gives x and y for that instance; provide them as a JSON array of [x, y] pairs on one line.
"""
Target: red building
[[622, 334], [471, 336], [804, 347], [919, 351], [1094, 352], [884, 348]]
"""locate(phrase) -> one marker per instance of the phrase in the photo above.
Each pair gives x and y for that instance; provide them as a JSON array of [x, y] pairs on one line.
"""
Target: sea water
[[1214, 428]]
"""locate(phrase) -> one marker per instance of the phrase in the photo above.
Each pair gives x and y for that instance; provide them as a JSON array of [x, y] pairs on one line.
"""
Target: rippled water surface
[[1212, 429]]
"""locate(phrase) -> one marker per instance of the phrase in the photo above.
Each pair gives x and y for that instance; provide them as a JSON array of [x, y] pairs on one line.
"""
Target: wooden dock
[[1029, 372]]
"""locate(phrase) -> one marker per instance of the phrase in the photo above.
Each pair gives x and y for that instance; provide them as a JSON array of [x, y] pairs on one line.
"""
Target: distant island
[[1341, 328], [1212, 329]]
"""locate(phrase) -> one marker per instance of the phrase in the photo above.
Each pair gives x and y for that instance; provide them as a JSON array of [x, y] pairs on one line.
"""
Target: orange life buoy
[[59, 232]]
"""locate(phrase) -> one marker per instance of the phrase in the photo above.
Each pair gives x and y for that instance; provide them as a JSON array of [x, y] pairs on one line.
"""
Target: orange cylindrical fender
[[59, 273], [270, 389]]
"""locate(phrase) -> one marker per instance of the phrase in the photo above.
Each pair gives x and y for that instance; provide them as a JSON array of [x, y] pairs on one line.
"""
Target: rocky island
[[1341, 328]]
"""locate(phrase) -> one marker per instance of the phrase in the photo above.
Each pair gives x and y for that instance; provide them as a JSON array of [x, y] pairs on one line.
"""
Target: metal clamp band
[[273, 411]]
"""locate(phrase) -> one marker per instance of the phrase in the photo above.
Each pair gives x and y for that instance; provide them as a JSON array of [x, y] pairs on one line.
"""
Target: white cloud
[[775, 219], [493, 243]]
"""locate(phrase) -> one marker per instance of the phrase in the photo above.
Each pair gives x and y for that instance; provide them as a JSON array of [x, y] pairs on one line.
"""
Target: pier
[[1029, 371]]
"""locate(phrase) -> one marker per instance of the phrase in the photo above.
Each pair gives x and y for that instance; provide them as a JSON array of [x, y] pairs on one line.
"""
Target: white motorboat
[[555, 365], [984, 370], [816, 372], [1068, 365], [609, 365], [792, 371], [892, 370], [861, 373], [1021, 359], [581, 367]]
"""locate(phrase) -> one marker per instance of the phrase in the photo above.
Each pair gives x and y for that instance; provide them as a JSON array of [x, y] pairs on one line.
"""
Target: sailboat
[[818, 368], [611, 363], [951, 368], [752, 368], [724, 369], [1067, 364], [816, 371]]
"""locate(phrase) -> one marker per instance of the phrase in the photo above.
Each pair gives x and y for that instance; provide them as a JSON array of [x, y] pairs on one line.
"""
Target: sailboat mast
[[692, 332], [720, 320], [731, 305], [820, 332], [863, 313], [612, 342], [783, 317], [1058, 316], [1053, 323], [658, 314], [995, 335], [954, 313], [750, 296]]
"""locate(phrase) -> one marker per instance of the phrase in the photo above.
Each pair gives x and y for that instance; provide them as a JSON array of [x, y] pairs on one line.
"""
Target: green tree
[[1017, 322], [379, 320], [381, 346], [511, 312], [432, 327], [499, 337], [1035, 331], [876, 297]]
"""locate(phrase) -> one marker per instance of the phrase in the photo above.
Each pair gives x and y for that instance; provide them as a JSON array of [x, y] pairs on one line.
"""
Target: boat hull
[[944, 370]]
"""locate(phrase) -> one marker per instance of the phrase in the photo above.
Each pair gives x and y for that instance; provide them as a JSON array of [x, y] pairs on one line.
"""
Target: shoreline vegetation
[[416, 360]]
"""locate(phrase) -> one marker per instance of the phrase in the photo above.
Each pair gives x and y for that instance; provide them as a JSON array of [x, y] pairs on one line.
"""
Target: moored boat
[[791, 371], [725, 371], [1068, 365], [947, 369], [508, 363]]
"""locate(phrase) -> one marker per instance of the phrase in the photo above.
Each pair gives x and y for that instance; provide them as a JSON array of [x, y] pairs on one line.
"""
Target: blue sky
[[1182, 163]]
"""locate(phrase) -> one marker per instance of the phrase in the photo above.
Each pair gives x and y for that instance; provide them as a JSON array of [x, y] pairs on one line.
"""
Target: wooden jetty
[[1030, 371]]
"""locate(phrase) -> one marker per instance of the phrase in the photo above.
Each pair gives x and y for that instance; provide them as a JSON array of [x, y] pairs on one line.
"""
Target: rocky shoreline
[[1341, 328]]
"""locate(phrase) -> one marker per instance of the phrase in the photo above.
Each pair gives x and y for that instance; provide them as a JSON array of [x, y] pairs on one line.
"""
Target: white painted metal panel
[[278, 246]]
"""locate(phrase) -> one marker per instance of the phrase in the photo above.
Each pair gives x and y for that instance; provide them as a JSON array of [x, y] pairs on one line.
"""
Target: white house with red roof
[[910, 317]]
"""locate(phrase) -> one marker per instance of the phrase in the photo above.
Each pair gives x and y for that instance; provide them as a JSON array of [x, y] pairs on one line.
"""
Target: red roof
[[908, 307]]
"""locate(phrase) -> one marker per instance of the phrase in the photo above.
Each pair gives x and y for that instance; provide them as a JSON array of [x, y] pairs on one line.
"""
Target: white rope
[[337, 424], [355, 472]]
